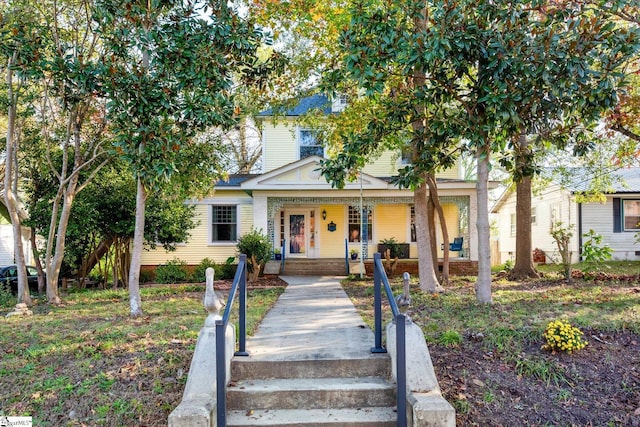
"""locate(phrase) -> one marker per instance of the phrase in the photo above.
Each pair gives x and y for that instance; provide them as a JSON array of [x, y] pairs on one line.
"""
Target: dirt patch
[[597, 386]]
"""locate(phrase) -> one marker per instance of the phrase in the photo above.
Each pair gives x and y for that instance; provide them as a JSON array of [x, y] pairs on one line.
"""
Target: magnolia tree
[[170, 73]]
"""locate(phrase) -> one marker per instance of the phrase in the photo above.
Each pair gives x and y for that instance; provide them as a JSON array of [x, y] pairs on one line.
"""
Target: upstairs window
[[224, 223], [310, 144]]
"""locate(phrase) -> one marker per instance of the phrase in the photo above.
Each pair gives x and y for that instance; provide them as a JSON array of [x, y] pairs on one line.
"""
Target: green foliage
[[508, 265], [393, 246], [255, 245], [559, 335], [7, 299], [562, 236], [173, 271], [200, 272], [593, 252], [450, 338]]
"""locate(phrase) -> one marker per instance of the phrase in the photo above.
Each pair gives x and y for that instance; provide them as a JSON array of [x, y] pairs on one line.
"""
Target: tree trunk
[[11, 187], [42, 284], [431, 217], [524, 267], [54, 263], [433, 194], [426, 269], [135, 302], [483, 285]]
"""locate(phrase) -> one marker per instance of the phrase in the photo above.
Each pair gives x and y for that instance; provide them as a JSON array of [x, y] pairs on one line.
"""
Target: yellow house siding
[[385, 165], [391, 221], [451, 219], [199, 245], [279, 145], [332, 243], [451, 173]]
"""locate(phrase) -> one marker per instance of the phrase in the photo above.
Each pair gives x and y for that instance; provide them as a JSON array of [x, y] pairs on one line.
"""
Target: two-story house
[[298, 209]]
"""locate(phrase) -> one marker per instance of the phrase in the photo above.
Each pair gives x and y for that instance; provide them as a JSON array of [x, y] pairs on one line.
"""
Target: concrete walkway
[[313, 319]]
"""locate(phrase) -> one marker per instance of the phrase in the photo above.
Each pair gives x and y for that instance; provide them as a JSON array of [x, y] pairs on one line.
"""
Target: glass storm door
[[297, 234]]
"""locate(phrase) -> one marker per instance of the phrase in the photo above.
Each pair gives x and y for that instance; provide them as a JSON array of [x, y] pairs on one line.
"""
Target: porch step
[[315, 267], [311, 392], [361, 417]]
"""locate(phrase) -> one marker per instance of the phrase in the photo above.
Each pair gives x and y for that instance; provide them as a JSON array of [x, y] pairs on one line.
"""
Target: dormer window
[[310, 144], [339, 103]]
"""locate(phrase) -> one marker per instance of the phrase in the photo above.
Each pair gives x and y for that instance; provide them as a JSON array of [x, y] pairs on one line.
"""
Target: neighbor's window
[[354, 224], [631, 209], [224, 223], [534, 217], [513, 224], [310, 144]]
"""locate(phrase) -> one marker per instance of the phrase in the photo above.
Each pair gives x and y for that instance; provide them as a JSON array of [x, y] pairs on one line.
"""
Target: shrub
[[257, 247], [450, 338], [594, 252], [559, 335], [200, 272], [6, 297], [174, 271]]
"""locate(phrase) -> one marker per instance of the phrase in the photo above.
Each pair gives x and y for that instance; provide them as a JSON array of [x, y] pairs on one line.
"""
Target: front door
[[296, 227]]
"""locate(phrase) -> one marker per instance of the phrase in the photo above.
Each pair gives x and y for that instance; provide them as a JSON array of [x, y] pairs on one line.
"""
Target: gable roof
[[304, 105], [623, 180], [304, 174]]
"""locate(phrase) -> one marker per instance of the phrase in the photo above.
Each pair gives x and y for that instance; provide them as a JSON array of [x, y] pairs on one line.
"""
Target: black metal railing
[[346, 255], [379, 279], [239, 286]]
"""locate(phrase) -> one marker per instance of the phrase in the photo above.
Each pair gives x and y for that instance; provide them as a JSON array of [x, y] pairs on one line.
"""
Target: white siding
[[551, 198], [599, 217]]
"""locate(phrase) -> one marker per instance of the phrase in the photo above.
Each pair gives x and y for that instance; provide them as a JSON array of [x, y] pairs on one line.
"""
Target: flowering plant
[[561, 336]]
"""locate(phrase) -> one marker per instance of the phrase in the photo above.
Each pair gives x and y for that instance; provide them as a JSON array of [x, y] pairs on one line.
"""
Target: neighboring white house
[[617, 219], [7, 245]]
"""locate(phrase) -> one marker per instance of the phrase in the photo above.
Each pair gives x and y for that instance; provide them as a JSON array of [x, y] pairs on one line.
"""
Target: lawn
[[489, 359], [88, 363]]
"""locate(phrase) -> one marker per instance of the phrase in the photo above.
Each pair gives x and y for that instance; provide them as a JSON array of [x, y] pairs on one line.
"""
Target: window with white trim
[[534, 216], [631, 212], [354, 224], [310, 144], [512, 224], [224, 223]]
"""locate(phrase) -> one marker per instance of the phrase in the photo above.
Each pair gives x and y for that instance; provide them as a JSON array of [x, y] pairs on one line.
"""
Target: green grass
[[88, 363]]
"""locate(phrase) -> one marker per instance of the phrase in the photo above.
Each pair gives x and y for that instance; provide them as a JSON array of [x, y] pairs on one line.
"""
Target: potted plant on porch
[[277, 254], [354, 254]]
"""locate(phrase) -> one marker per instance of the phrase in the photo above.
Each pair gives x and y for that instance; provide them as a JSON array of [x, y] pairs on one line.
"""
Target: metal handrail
[[346, 255], [380, 278], [239, 281]]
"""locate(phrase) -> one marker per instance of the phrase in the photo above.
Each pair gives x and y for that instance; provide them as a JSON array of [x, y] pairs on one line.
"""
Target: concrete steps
[[315, 267], [347, 392]]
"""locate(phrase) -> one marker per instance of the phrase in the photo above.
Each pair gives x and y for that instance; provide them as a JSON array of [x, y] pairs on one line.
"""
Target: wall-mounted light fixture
[[324, 214]]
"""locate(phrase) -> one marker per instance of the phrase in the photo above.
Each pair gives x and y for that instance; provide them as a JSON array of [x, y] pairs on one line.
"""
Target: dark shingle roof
[[235, 180], [623, 180], [305, 105]]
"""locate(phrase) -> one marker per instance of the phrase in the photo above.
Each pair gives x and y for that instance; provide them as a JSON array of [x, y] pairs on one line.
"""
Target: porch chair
[[456, 246]]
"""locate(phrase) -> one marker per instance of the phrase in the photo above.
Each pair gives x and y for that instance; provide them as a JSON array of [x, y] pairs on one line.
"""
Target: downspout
[[579, 231]]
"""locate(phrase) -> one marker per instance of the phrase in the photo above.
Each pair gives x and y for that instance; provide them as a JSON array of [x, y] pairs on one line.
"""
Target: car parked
[[9, 274]]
